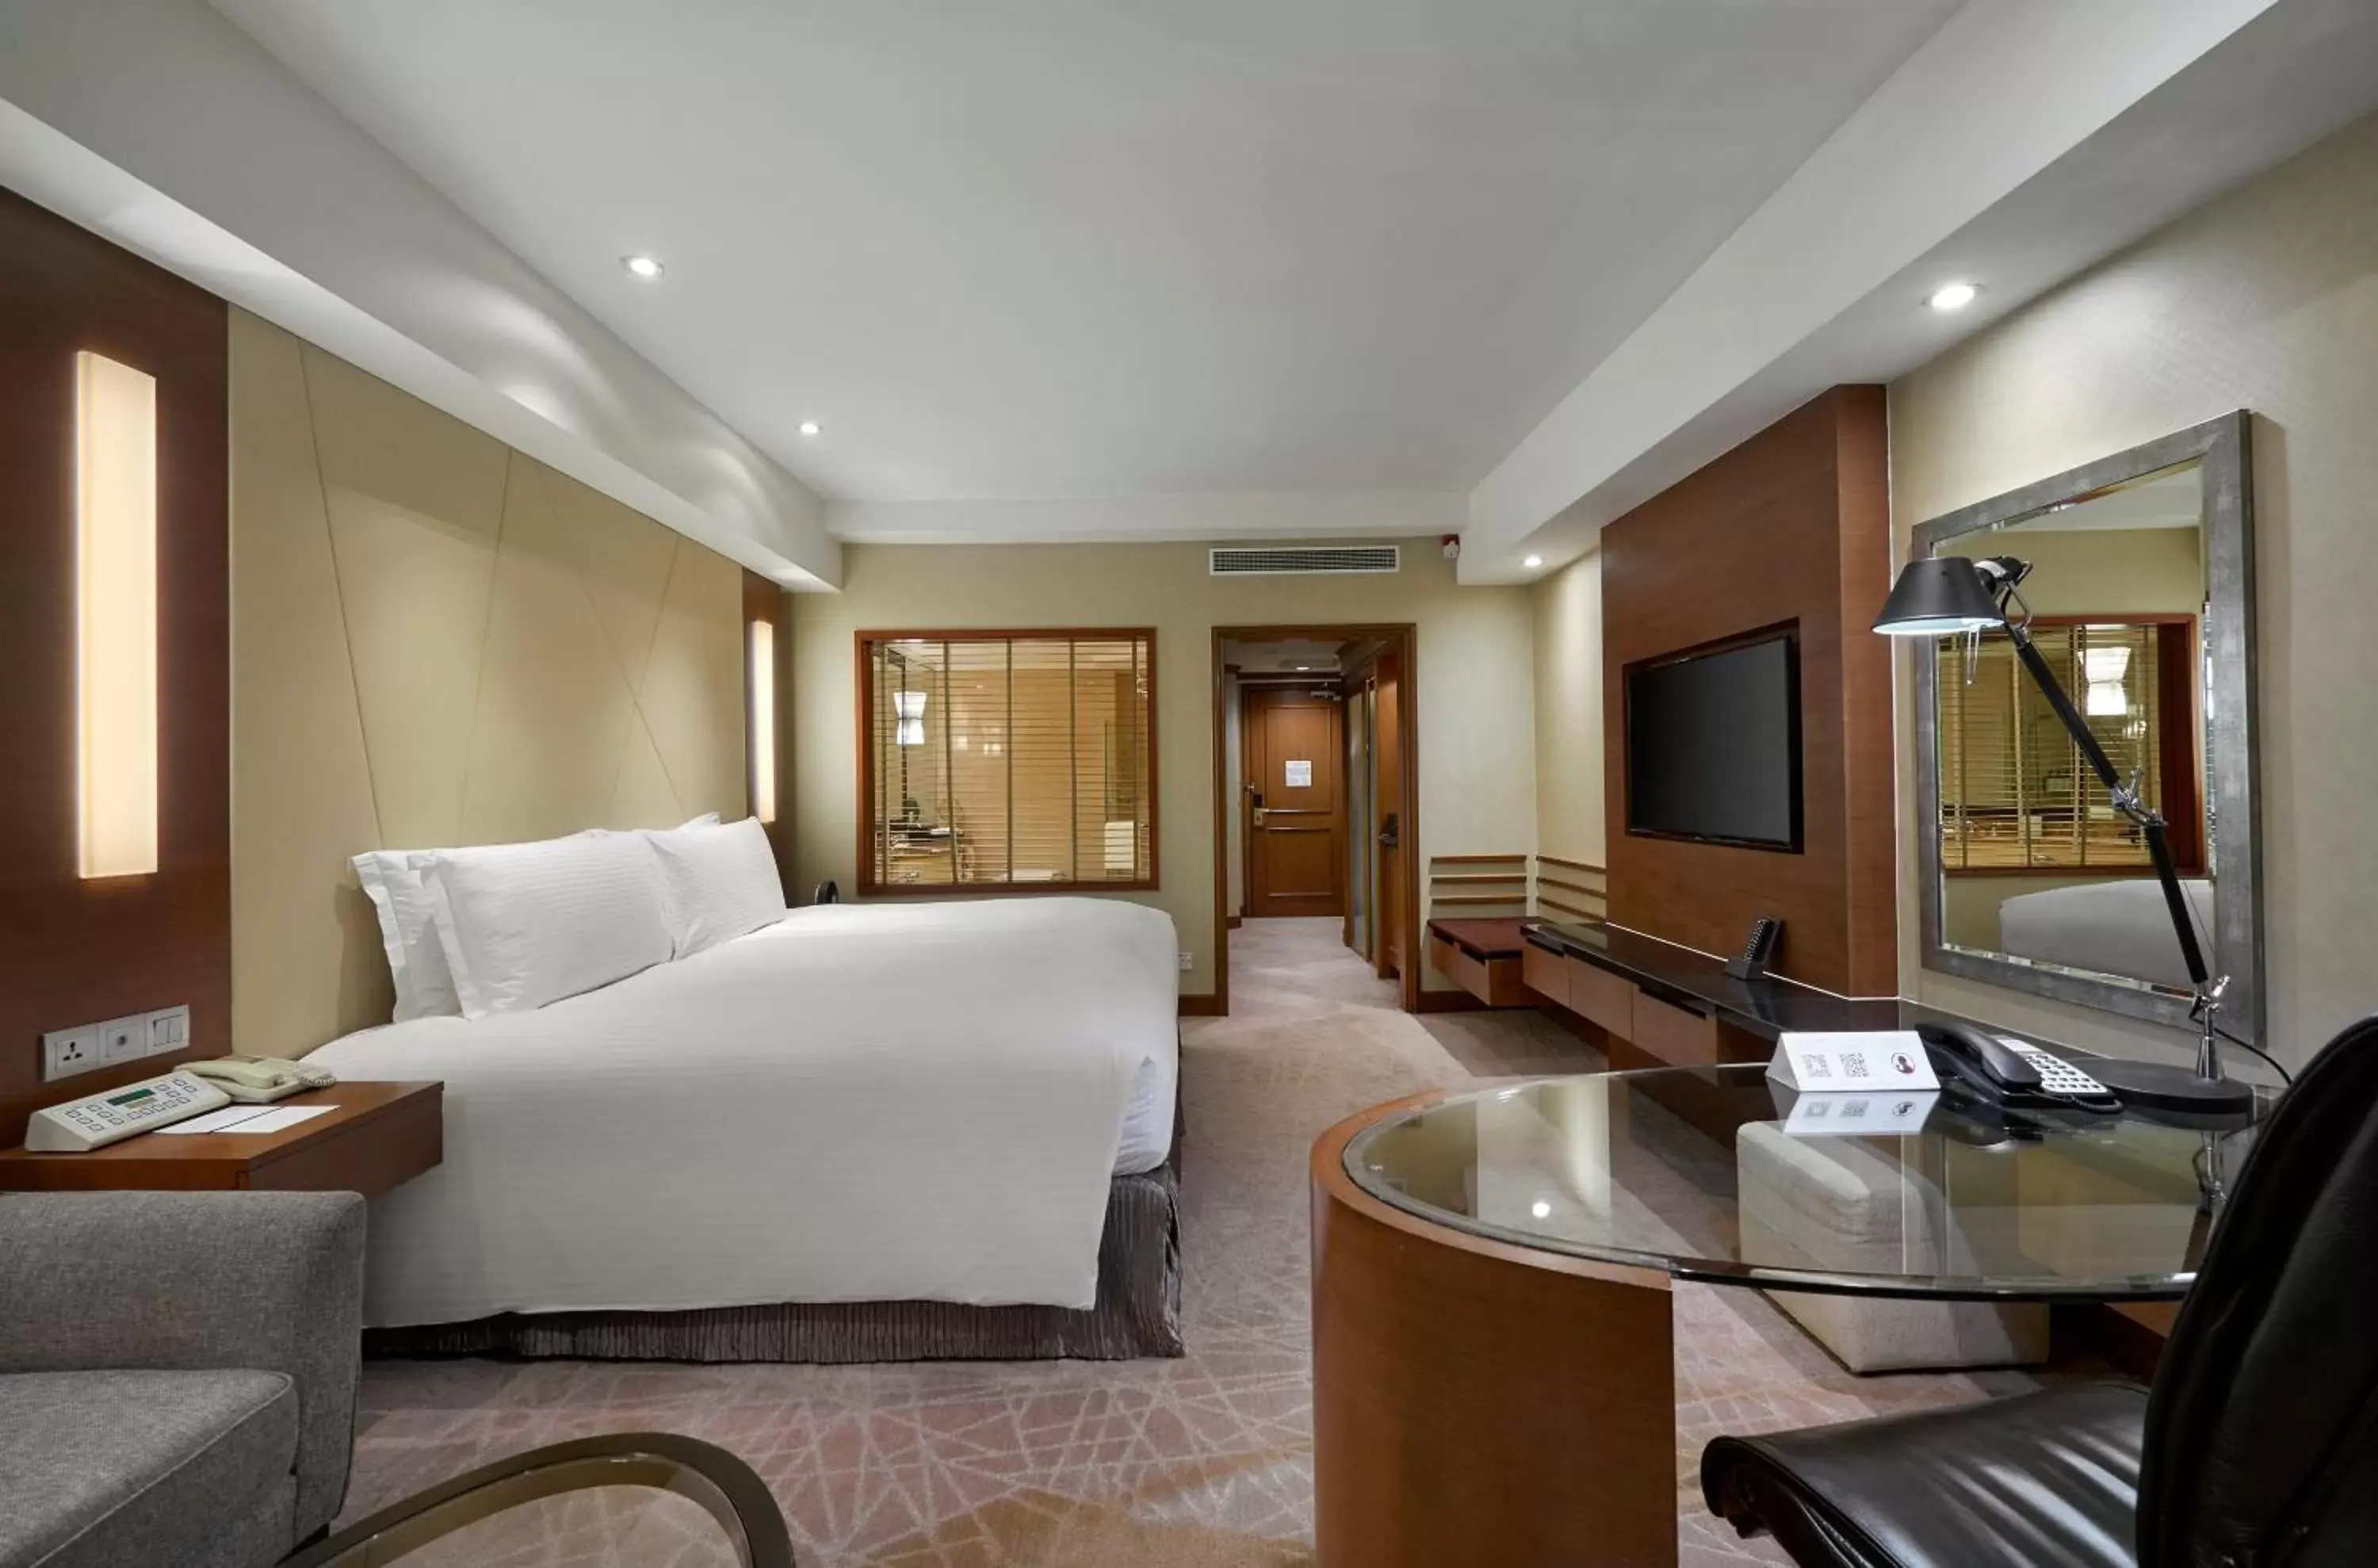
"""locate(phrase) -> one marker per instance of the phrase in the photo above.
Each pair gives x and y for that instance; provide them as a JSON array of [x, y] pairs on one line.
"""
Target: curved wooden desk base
[[1477, 1402]]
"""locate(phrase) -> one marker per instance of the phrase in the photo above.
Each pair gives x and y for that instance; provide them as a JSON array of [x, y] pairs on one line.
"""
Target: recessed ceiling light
[[643, 266], [1953, 297], [811, 427], [1304, 667], [1532, 562]]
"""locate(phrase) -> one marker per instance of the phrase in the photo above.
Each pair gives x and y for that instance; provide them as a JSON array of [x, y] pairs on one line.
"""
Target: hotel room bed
[[880, 1131]]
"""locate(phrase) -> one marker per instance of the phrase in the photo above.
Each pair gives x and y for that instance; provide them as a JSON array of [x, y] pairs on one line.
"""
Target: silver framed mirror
[[2142, 594]]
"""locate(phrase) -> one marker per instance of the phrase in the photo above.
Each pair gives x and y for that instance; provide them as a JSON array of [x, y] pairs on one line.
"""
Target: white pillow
[[526, 924], [408, 932], [722, 881]]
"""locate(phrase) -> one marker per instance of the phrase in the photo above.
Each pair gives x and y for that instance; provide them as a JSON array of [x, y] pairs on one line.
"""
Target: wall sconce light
[[763, 720], [910, 704], [116, 617]]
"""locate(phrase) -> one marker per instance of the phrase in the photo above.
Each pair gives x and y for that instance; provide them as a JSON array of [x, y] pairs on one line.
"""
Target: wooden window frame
[[2181, 765], [863, 704]]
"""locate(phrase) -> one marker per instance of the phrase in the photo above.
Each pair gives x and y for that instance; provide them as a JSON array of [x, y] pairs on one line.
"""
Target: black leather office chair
[[2256, 1448]]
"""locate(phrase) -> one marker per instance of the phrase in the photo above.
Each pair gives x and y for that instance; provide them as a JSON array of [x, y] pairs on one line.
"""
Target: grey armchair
[[177, 1374]]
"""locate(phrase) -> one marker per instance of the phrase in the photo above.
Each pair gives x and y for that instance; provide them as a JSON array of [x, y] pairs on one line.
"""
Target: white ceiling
[[1110, 247]]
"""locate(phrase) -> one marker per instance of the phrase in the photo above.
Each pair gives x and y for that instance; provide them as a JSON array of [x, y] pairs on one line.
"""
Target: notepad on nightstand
[[250, 1118]]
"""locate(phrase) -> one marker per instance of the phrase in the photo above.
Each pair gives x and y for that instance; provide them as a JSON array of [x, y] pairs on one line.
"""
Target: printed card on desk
[[1882, 1059], [1843, 1115]]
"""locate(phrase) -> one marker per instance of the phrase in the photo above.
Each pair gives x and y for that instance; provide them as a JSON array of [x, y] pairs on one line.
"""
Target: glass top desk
[[1492, 1272], [1720, 1176]]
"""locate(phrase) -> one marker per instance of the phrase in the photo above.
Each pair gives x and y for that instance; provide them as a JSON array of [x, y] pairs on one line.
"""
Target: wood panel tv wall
[[1792, 525], [437, 640], [75, 951]]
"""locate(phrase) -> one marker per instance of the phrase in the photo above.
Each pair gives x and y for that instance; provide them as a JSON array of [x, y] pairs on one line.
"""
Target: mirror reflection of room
[[2036, 864]]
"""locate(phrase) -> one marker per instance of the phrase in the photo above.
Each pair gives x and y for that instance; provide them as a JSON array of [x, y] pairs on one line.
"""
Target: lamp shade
[[1939, 597]]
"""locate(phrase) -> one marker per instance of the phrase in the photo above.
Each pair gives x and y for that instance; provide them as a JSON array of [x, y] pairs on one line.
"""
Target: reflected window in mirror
[[2015, 793]]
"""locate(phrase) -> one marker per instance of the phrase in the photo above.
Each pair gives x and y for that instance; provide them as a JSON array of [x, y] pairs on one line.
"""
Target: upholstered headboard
[[437, 640]]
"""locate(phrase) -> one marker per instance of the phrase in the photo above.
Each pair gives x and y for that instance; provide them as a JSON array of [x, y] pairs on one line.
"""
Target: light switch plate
[[169, 1029], [125, 1039], [66, 1052]]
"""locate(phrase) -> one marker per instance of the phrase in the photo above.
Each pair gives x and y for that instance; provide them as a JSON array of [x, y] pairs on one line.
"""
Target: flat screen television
[[1713, 742]]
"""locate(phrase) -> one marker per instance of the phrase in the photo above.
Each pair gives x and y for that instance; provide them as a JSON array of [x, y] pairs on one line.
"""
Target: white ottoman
[[1834, 1203]]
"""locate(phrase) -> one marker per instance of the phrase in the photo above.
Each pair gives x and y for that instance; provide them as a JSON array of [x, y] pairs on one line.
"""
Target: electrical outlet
[[169, 1029], [124, 1038], [1188, 960], [66, 1052]]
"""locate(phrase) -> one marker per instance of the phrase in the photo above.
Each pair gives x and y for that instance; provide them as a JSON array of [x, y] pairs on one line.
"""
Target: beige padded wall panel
[[553, 706], [435, 640], [691, 697], [644, 796], [415, 498], [306, 954], [624, 557]]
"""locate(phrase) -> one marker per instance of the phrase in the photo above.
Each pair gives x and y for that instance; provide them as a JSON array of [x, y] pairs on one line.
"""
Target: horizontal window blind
[[1021, 760], [2016, 792]]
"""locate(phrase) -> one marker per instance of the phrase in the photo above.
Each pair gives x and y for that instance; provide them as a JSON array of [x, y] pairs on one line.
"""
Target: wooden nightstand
[[381, 1134]]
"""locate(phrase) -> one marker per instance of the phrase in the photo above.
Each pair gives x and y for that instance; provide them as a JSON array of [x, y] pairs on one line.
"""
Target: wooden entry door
[[1296, 778]]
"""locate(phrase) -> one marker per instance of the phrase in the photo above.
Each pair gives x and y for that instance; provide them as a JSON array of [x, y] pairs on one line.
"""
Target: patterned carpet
[[1203, 1461]]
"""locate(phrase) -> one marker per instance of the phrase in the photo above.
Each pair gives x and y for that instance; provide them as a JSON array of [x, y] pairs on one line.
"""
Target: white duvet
[[876, 1102]]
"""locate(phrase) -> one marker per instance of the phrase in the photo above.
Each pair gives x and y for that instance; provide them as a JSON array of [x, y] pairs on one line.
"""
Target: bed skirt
[[1137, 1314]]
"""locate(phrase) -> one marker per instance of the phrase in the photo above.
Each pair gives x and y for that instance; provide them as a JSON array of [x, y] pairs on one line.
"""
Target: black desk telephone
[[2011, 1073], [1752, 964]]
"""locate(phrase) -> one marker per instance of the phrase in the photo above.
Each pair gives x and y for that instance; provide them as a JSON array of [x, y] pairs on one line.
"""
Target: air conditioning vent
[[1249, 562]]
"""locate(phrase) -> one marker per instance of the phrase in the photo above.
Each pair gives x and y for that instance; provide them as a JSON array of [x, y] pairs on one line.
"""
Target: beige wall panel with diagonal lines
[[301, 788], [437, 640]]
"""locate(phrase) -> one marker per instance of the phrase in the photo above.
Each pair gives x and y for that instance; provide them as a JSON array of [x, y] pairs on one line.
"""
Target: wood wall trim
[[1399, 643], [1475, 860], [75, 952], [1793, 526], [862, 677], [1573, 865]]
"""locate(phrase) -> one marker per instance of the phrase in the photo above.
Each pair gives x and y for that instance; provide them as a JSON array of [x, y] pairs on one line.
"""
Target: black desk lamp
[[1945, 595]]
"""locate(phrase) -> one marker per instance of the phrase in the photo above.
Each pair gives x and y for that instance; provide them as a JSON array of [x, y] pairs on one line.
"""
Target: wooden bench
[[1483, 956]]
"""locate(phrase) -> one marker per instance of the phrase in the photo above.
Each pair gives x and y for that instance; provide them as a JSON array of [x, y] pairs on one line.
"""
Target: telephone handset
[[1752, 964], [2012, 1073], [259, 1080]]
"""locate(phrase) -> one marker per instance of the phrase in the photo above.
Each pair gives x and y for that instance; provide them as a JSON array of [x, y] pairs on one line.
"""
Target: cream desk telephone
[[113, 1115]]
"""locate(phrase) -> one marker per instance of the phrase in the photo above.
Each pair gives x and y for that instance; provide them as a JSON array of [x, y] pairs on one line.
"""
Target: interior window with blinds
[[2015, 791], [1023, 760]]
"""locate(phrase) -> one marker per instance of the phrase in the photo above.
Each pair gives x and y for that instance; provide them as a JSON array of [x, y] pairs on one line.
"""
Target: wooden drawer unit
[[1607, 999], [1546, 975], [379, 1135], [1673, 1035], [1494, 981]]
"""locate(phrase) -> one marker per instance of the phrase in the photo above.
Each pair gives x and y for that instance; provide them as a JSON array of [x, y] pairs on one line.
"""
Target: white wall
[[2266, 298], [1568, 639]]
